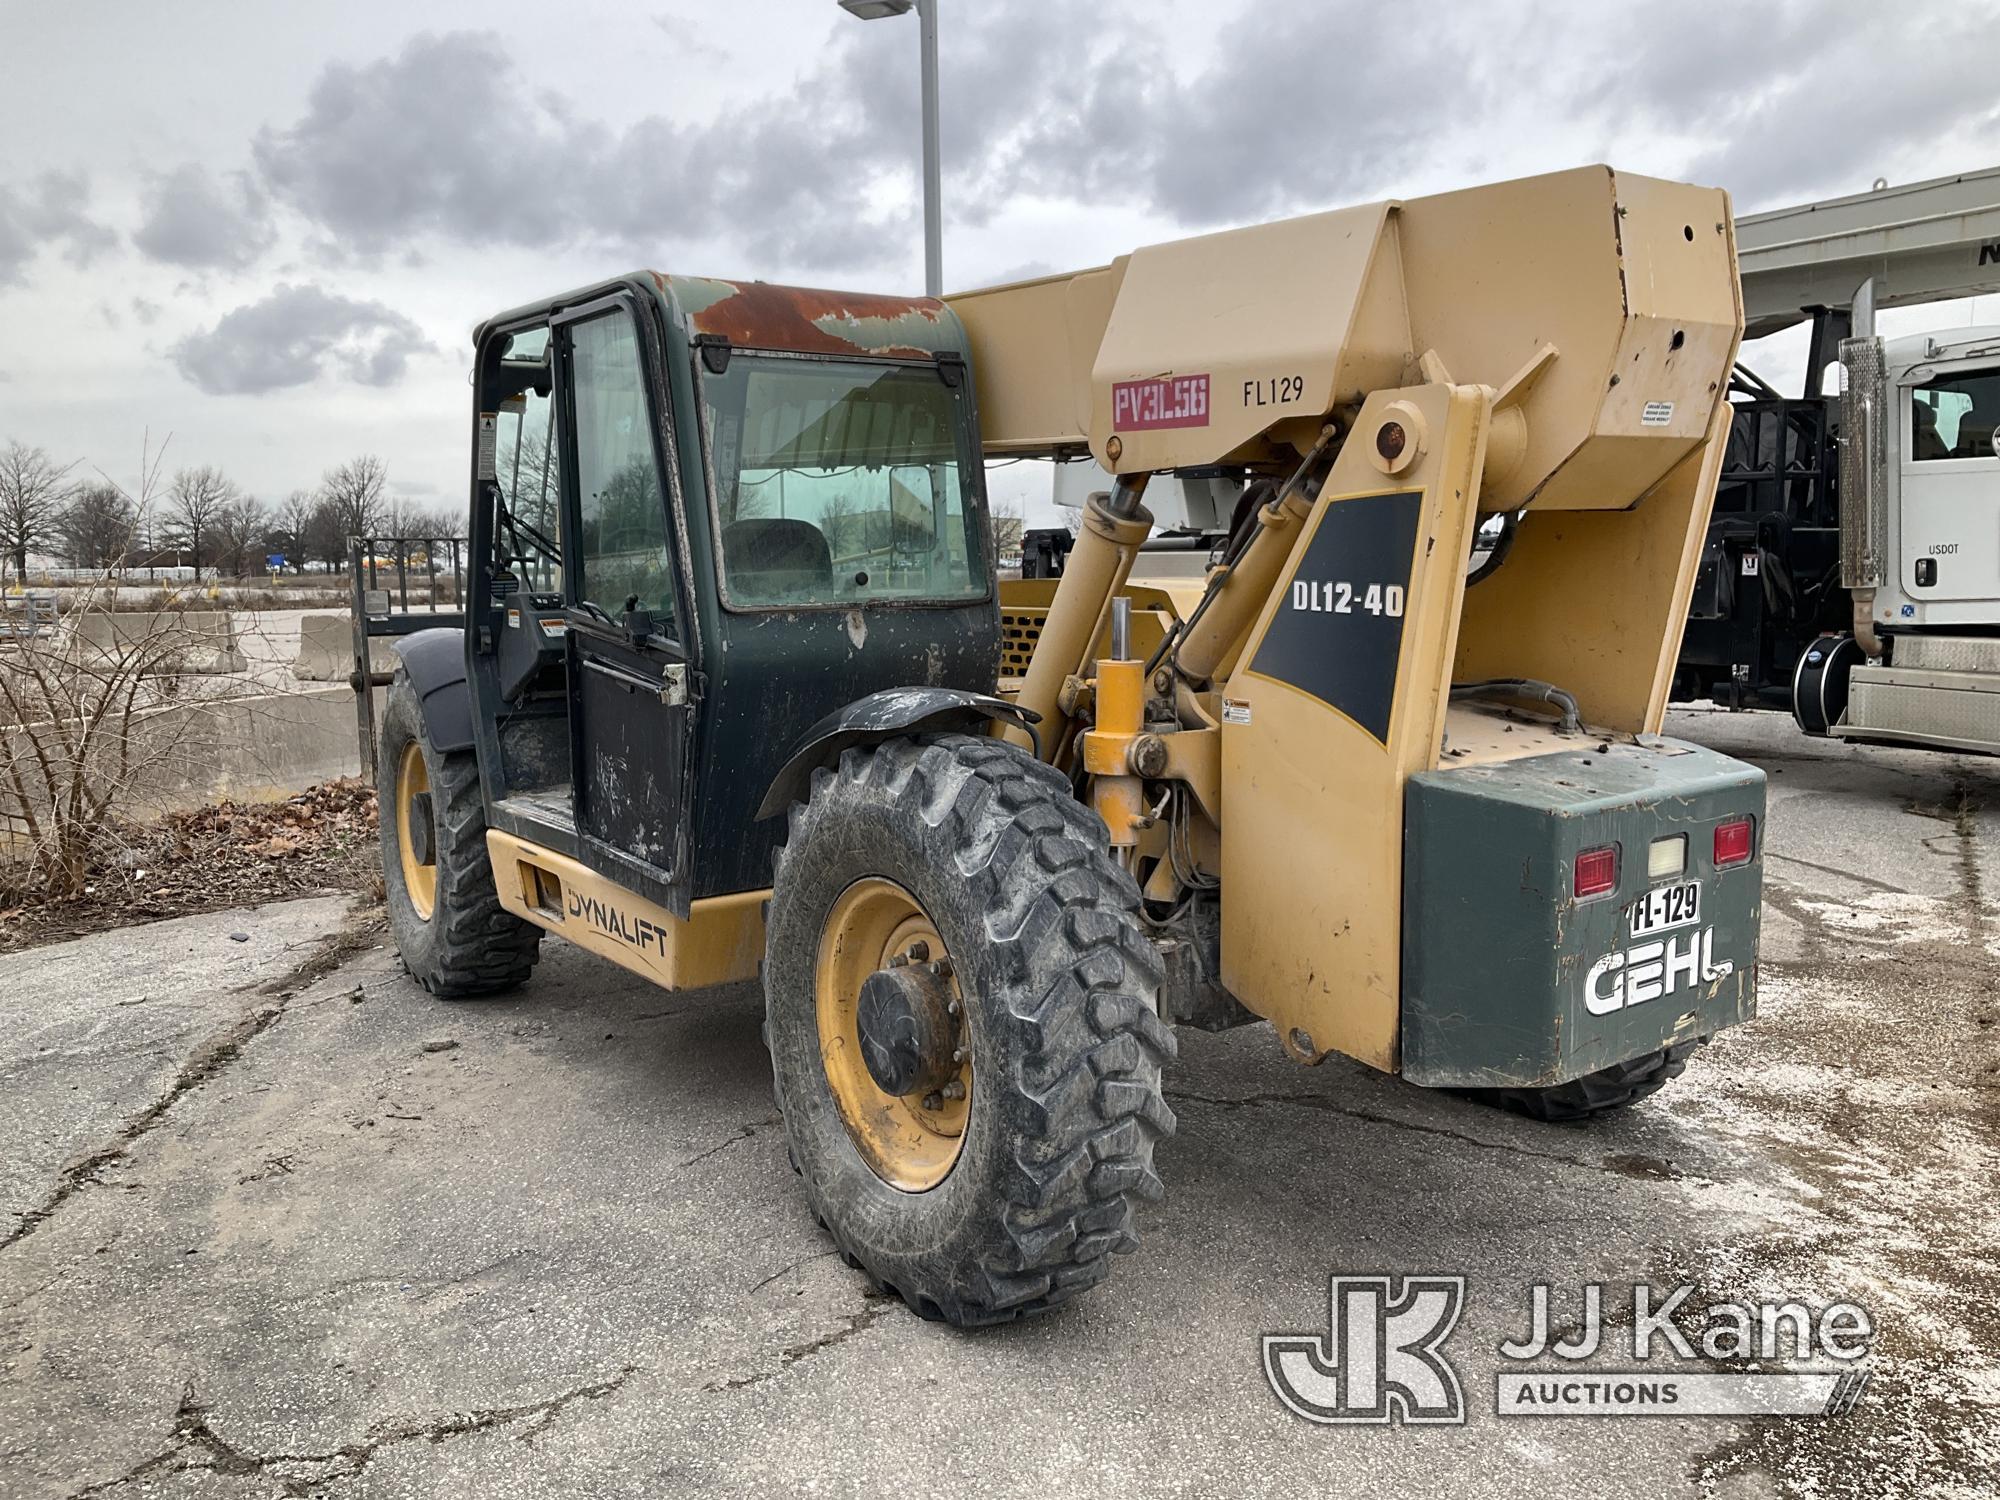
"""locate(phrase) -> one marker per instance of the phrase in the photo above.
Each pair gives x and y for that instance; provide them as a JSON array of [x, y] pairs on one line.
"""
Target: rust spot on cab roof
[[760, 315]]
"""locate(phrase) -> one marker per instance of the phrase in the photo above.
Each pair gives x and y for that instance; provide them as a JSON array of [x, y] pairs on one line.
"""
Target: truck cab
[[1920, 523]]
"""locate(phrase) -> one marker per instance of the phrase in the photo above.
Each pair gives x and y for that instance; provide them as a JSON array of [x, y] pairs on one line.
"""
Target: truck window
[[1954, 416], [840, 483], [621, 547]]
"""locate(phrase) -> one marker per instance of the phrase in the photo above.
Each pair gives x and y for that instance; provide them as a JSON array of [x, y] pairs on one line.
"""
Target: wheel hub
[[908, 1034], [423, 831], [416, 830], [894, 1041]]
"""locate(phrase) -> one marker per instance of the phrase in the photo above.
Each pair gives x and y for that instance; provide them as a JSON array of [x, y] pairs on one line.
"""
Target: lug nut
[[919, 951], [932, 1101], [940, 967], [954, 1090]]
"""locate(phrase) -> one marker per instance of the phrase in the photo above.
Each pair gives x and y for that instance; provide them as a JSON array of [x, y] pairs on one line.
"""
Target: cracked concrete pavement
[[267, 1233]]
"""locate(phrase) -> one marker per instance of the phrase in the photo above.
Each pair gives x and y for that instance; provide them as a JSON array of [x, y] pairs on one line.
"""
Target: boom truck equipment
[[739, 694]]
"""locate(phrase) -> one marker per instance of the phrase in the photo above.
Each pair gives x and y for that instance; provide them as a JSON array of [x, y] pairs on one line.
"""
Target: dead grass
[[208, 859]]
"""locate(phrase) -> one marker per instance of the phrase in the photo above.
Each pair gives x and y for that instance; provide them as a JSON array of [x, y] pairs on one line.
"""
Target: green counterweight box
[[1510, 978]]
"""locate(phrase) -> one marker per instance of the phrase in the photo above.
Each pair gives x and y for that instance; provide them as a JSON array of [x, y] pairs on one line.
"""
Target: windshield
[[840, 483]]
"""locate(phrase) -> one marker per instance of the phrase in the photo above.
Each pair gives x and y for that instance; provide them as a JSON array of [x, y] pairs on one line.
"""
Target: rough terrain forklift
[[739, 693]]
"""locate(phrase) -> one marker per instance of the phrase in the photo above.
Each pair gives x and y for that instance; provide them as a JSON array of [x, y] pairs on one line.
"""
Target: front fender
[[435, 662], [887, 715]]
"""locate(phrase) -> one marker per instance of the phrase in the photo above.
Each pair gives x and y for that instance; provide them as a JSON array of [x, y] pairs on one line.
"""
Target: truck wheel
[[455, 938], [962, 1011], [1595, 1093]]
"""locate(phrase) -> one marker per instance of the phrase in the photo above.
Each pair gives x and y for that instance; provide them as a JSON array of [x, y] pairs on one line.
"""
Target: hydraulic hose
[[1528, 688]]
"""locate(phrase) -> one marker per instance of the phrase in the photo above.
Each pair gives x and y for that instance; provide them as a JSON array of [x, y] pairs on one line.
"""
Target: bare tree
[[196, 502], [98, 725], [291, 524], [355, 491], [325, 537], [142, 505], [841, 523], [33, 491], [239, 529], [1008, 526], [527, 477], [95, 529], [406, 520]]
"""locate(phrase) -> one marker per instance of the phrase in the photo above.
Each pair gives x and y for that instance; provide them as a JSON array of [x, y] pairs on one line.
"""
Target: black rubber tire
[[471, 946], [1595, 1093], [1061, 989]]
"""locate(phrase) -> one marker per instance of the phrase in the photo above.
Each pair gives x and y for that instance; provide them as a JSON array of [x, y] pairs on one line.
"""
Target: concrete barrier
[[198, 641], [253, 749], [326, 650]]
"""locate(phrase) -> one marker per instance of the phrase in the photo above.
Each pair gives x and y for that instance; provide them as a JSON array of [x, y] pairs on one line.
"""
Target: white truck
[[1920, 548]]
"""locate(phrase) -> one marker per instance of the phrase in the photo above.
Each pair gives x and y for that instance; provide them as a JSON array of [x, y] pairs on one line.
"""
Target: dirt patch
[[229, 854], [1874, 1087]]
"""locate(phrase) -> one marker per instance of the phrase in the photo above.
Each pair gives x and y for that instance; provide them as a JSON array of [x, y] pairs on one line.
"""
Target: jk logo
[[1379, 1360]]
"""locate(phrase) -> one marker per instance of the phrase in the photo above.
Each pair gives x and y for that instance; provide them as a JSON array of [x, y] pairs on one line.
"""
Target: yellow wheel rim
[[413, 780], [910, 1142]]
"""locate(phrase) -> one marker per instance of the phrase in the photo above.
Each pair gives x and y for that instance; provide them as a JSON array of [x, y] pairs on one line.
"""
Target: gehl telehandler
[[739, 692]]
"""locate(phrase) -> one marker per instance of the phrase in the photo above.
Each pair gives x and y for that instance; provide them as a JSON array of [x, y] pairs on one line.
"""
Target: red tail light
[[1735, 841], [1596, 871]]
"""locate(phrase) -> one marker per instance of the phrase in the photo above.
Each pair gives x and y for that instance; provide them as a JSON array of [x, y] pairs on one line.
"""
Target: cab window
[[1955, 416], [525, 462], [622, 551]]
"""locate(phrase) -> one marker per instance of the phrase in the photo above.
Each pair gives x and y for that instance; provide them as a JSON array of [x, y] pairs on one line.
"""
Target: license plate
[[1666, 906]]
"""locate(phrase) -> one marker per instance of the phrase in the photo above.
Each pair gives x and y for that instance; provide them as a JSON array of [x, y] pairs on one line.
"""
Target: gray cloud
[[447, 139], [52, 213], [295, 335], [195, 221], [443, 139], [146, 310], [687, 40], [448, 142], [1785, 101]]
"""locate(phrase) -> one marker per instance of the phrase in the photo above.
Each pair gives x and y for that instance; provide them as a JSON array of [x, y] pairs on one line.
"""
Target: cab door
[[631, 709], [1950, 479]]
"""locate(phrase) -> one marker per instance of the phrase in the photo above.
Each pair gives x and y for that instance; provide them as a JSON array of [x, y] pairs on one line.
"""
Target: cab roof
[[765, 315], [1943, 344]]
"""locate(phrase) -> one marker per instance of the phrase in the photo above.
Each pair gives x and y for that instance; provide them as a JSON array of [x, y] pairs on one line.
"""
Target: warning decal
[[485, 452]]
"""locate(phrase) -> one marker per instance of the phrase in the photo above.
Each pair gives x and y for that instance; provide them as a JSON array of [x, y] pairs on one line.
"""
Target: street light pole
[[876, 10], [933, 169]]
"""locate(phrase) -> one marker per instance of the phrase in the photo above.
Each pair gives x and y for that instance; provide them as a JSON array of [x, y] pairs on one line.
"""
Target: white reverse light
[[1667, 856]]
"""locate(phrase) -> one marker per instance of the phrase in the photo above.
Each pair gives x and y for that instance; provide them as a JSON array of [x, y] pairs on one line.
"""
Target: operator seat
[[771, 559], [1926, 441]]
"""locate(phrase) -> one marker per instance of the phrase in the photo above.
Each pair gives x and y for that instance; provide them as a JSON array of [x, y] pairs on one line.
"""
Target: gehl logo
[[1378, 1361]]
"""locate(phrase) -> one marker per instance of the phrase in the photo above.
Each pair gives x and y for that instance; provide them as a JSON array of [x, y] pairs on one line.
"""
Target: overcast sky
[[269, 228]]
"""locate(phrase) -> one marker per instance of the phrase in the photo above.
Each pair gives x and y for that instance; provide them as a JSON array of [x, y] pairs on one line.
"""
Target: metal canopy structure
[[1920, 242]]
